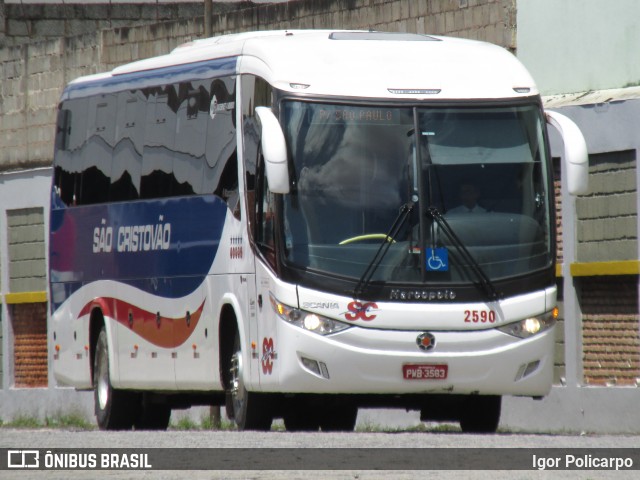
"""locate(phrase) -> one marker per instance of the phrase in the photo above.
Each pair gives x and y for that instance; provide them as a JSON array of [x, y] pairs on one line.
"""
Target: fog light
[[317, 368], [324, 370], [311, 365], [527, 369]]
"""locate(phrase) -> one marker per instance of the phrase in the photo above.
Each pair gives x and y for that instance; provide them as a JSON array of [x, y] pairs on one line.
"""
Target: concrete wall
[[489, 20], [601, 260], [607, 215], [579, 45], [26, 250], [22, 193], [35, 71], [28, 21]]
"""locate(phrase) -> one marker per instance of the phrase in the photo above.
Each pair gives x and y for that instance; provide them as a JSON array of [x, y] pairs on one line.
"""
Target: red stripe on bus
[[161, 331]]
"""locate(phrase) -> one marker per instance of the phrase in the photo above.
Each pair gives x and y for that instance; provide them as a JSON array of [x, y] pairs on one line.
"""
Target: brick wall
[[30, 358], [559, 361], [607, 215], [557, 191], [610, 330], [25, 233]]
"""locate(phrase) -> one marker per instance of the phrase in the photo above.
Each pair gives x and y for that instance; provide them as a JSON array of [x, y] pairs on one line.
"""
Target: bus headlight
[[530, 326], [306, 320]]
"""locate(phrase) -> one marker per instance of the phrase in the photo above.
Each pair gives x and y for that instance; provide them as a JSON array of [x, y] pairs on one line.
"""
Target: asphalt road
[[252, 447]]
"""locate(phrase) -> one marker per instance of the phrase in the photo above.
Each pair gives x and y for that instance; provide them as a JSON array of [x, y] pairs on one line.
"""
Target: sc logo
[[360, 311]]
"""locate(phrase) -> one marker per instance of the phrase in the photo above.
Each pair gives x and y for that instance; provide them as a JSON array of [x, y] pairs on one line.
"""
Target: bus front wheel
[[249, 410], [115, 409]]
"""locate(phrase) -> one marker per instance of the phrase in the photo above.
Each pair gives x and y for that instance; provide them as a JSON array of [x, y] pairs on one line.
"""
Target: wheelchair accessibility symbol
[[437, 259]]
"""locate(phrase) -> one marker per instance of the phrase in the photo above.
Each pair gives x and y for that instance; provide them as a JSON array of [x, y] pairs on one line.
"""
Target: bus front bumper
[[363, 360]]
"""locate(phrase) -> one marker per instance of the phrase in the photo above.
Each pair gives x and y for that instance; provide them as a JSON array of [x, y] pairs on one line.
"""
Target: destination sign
[[367, 115]]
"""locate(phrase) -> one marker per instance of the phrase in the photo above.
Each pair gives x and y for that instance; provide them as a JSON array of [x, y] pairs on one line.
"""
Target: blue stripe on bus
[[165, 247], [148, 78]]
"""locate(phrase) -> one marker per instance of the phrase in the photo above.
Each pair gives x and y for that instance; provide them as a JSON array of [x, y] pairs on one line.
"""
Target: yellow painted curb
[[594, 269], [25, 297]]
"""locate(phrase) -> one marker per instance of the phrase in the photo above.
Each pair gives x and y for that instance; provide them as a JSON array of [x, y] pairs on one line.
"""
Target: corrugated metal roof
[[592, 97]]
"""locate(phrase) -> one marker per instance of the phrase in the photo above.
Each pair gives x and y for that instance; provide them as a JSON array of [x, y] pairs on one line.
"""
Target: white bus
[[299, 224]]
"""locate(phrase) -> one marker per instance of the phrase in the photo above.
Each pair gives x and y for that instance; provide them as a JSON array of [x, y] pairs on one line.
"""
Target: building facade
[[591, 80]]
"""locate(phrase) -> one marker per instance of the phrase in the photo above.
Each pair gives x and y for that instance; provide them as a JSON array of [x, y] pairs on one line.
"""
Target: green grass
[[419, 428], [186, 423], [69, 420], [72, 420], [62, 420]]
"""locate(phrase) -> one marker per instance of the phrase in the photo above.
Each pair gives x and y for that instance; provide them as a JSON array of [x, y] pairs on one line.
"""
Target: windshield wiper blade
[[485, 282], [399, 221]]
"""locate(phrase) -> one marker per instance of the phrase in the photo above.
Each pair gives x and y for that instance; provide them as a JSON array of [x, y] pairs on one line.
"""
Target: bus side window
[[221, 165], [127, 154], [159, 143], [70, 144], [98, 150], [65, 178], [192, 118]]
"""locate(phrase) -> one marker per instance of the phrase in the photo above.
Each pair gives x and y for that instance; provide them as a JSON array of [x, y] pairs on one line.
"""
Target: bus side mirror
[[576, 157], [274, 151]]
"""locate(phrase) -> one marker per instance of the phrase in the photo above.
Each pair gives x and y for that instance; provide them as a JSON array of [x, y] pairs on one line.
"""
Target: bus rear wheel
[[249, 410], [115, 409]]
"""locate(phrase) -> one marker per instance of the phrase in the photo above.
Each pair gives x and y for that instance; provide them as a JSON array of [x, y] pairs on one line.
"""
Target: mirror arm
[[576, 156], [274, 151]]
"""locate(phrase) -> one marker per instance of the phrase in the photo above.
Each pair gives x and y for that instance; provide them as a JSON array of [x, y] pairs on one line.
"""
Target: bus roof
[[345, 63]]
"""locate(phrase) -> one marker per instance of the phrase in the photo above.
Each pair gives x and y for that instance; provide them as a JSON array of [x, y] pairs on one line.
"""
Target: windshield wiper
[[399, 221], [485, 282]]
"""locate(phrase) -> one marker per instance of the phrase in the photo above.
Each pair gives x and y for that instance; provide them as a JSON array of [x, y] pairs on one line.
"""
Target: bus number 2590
[[479, 316]]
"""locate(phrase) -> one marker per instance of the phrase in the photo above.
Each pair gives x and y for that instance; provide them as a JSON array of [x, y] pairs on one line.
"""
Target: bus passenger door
[[266, 362], [266, 280]]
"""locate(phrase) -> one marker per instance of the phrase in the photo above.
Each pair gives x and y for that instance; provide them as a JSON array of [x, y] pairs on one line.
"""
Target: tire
[[249, 410], [481, 414], [115, 409]]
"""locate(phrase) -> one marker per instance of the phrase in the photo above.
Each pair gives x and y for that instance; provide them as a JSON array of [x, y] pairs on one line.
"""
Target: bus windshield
[[358, 170]]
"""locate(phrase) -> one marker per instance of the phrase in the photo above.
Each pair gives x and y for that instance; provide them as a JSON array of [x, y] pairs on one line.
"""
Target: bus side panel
[[71, 361], [197, 361], [145, 177], [143, 264]]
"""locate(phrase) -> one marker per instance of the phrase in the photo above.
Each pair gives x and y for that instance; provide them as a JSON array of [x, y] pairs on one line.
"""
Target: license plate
[[425, 372]]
